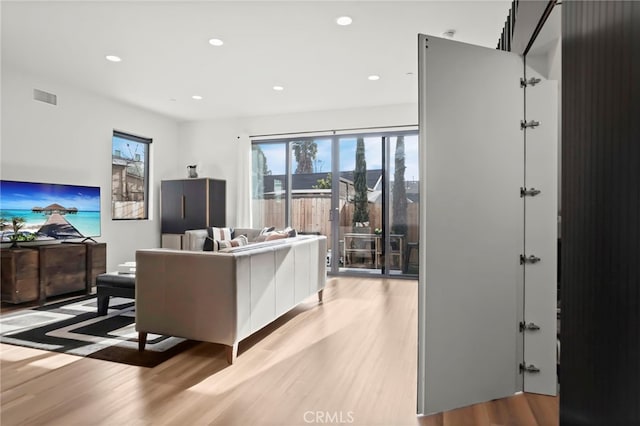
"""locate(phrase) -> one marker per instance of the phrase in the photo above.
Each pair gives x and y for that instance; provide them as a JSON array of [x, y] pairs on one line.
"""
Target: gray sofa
[[223, 297]]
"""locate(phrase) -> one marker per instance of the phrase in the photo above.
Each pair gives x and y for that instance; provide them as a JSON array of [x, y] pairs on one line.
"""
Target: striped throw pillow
[[221, 233], [216, 234]]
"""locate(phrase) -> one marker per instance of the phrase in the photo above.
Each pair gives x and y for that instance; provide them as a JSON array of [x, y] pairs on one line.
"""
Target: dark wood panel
[[20, 275], [217, 202], [192, 204], [172, 220], [600, 291], [195, 194], [96, 262], [62, 269]]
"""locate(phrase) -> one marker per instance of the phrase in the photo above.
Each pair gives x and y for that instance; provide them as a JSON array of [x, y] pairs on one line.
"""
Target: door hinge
[[528, 326], [531, 82], [529, 260], [528, 368], [524, 192], [528, 124]]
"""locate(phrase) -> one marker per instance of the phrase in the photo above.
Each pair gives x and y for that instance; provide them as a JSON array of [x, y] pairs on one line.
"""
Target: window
[[360, 190], [269, 184], [129, 177]]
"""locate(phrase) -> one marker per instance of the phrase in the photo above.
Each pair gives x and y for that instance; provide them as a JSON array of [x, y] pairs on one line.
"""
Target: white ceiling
[[296, 44]]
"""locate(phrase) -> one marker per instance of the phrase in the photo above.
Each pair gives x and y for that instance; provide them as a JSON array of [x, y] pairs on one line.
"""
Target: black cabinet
[[192, 204]]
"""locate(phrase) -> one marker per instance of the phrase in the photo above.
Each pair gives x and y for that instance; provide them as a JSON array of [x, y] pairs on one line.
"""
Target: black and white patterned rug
[[73, 327]]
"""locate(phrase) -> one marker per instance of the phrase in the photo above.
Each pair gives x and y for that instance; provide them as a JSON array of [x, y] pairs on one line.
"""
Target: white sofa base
[[231, 351], [225, 297]]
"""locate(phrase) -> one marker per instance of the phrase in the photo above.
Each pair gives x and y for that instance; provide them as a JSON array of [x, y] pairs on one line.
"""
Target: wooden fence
[[127, 209], [312, 215]]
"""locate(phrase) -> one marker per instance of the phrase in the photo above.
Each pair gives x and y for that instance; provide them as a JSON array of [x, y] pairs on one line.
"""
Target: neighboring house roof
[[303, 181], [413, 190], [135, 168], [373, 177]]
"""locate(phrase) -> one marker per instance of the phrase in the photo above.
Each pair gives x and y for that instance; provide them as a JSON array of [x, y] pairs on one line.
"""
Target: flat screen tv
[[50, 211]]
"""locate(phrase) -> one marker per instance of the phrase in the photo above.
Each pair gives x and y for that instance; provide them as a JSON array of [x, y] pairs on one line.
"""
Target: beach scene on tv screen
[[50, 211]]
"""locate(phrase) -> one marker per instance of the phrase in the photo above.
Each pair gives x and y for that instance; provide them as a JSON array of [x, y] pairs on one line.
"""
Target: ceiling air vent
[[42, 96]]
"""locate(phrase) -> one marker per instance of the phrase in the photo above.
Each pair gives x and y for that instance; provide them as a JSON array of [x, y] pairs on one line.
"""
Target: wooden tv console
[[35, 273]]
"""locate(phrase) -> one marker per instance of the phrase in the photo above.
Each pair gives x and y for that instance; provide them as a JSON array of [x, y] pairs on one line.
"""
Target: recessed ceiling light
[[344, 20], [113, 58], [197, 97], [374, 77], [278, 88], [449, 33], [216, 42]]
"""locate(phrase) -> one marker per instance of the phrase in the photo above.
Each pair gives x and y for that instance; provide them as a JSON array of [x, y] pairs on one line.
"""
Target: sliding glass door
[[376, 220], [360, 190], [401, 246], [360, 180]]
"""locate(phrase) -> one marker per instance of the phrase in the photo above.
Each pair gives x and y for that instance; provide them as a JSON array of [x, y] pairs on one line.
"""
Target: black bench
[[113, 284]]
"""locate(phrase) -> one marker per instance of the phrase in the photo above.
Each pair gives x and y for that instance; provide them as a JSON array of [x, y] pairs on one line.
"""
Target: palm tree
[[305, 152], [16, 223]]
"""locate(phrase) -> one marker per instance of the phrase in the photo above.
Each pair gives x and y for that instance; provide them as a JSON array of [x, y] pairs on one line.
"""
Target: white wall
[[71, 143], [213, 144]]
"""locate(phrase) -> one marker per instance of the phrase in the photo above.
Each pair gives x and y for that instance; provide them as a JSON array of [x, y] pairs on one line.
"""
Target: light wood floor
[[351, 360]]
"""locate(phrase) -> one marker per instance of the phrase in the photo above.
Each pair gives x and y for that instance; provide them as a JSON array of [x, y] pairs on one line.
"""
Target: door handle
[[332, 214], [182, 207]]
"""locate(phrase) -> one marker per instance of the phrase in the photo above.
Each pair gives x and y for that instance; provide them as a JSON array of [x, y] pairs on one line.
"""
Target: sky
[[27, 195], [276, 158], [129, 151]]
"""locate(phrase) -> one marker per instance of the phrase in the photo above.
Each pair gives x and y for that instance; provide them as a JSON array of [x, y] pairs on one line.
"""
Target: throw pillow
[[211, 243], [236, 242], [277, 235], [290, 231], [264, 233], [208, 242], [221, 233], [268, 234], [242, 240], [266, 230]]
